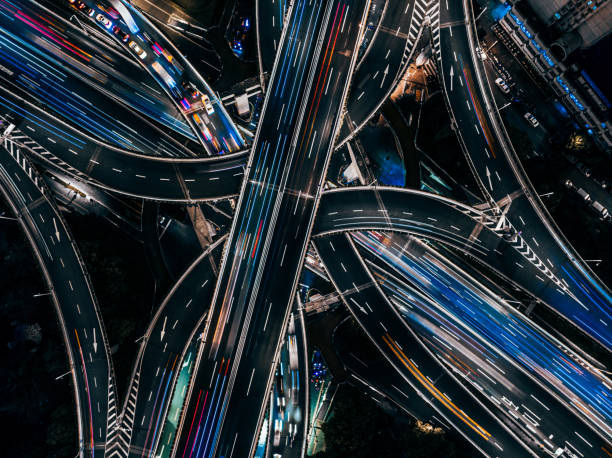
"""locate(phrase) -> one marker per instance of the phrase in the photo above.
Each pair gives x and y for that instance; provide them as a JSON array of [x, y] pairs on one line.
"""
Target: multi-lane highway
[[71, 291], [471, 230], [385, 57], [194, 98], [270, 18], [411, 360], [492, 346], [161, 355], [273, 220], [88, 80], [97, 91], [82, 156], [580, 296]]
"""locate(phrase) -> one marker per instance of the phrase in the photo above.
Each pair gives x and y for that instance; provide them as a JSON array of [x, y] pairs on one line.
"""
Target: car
[[190, 90], [137, 49], [82, 7], [121, 34], [481, 53], [501, 84], [207, 104], [104, 21], [532, 119]]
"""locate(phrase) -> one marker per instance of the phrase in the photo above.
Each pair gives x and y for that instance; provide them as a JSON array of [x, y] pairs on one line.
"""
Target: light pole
[[63, 375], [478, 17]]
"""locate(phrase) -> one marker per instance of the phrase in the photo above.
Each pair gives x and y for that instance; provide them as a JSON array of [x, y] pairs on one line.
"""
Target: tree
[[358, 428]]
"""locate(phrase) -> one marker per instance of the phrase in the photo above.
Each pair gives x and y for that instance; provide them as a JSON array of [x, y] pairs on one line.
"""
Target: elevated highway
[[70, 289], [473, 231], [160, 356], [580, 297], [269, 236], [59, 145], [418, 367]]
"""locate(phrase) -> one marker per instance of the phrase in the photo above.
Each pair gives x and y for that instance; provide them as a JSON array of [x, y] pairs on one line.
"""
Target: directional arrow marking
[[57, 234], [452, 73], [360, 307], [385, 73], [95, 344], [163, 331], [489, 178]]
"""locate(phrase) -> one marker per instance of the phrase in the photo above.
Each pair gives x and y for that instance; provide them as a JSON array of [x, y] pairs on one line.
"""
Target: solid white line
[[539, 402], [267, 316], [329, 79], [343, 22], [312, 144], [250, 381], [280, 117]]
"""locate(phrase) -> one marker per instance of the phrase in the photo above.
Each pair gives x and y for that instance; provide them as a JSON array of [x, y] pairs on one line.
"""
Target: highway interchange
[[528, 395]]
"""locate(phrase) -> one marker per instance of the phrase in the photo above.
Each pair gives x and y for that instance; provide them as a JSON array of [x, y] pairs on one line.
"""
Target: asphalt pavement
[[398, 344], [268, 239], [77, 311], [579, 296]]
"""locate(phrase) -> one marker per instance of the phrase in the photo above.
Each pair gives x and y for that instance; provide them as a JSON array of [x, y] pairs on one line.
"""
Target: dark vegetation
[[37, 413], [405, 133], [439, 141], [122, 283], [359, 428], [216, 15]]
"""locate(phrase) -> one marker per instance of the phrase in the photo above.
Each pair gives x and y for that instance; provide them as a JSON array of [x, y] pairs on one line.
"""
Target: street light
[[481, 13], [63, 375]]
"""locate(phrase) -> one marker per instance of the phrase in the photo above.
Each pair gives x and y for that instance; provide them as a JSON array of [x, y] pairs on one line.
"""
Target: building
[[582, 102], [587, 19]]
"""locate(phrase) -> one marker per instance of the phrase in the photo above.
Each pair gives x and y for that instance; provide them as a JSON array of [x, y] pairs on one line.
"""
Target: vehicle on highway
[[163, 74], [158, 50], [583, 195], [190, 90], [137, 49], [121, 34], [532, 119], [278, 428], [112, 12], [501, 84], [200, 123], [481, 54], [207, 104], [105, 21], [82, 7]]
